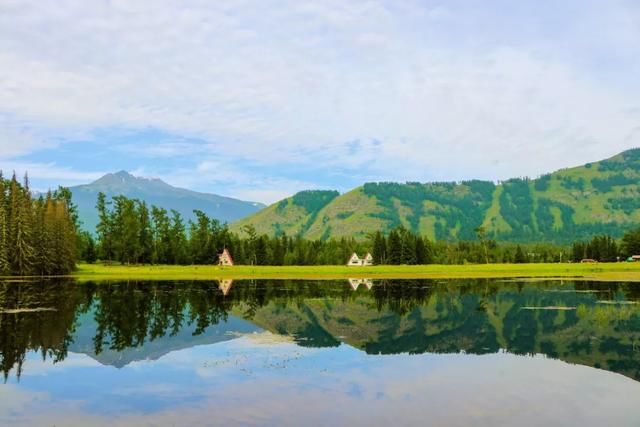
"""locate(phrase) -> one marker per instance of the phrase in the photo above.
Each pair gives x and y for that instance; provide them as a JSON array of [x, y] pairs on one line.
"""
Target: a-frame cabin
[[225, 258]]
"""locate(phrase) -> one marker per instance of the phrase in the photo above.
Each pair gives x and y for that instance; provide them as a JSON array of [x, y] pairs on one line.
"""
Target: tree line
[[131, 232], [605, 248], [41, 236], [38, 235]]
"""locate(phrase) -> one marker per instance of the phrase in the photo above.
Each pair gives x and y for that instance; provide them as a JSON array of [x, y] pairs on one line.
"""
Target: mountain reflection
[[591, 323]]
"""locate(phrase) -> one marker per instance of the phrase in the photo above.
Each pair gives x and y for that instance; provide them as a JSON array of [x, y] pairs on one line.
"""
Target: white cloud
[[450, 92], [228, 180]]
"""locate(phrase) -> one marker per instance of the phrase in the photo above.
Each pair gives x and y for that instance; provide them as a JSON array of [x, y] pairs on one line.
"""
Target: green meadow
[[599, 271]]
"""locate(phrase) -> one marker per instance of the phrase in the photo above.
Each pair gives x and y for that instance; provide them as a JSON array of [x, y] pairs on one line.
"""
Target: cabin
[[368, 260], [354, 261], [634, 258], [588, 261], [224, 258]]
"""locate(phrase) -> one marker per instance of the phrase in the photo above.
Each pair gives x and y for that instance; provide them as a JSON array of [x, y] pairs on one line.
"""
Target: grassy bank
[[603, 271]]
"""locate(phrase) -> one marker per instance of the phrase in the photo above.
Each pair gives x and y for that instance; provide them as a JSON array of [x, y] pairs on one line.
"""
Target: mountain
[[600, 197], [159, 193]]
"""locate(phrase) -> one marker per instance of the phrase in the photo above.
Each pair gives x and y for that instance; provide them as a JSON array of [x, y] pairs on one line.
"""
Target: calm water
[[391, 352]]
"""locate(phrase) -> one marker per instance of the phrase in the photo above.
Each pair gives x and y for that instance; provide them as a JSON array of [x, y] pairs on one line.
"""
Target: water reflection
[[588, 323]]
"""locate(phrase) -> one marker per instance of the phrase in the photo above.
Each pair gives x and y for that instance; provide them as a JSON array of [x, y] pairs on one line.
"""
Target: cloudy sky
[[259, 99]]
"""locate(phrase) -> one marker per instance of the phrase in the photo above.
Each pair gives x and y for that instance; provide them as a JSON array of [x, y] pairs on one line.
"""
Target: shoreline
[[600, 271], [629, 272]]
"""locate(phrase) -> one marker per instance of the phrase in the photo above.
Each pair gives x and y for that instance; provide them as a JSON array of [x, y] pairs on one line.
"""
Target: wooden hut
[[354, 261], [225, 258], [367, 260]]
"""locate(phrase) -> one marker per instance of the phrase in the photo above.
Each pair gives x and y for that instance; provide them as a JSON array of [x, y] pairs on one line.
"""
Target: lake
[[345, 352]]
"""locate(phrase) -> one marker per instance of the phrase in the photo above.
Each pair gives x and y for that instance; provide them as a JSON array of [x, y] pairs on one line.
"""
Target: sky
[[260, 99]]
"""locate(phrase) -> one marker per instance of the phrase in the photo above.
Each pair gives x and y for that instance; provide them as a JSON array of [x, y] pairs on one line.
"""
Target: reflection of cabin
[[588, 261], [225, 286], [225, 258], [357, 282], [356, 261]]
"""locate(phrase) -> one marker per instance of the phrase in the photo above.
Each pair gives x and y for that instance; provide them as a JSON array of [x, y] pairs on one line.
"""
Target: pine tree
[[407, 246], [65, 234], [145, 236], [421, 251], [126, 245], [379, 249], [91, 254], [104, 228], [177, 239], [394, 248], [42, 244], [4, 236], [261, 251], [519, 257], [161, 236], [21, 256]]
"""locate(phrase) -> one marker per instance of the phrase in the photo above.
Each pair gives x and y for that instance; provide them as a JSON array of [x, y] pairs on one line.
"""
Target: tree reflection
[[600, 325]]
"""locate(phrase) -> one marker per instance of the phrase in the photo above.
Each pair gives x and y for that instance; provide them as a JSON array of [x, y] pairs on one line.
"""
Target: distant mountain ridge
[[154, 347], [573, 203], [157, 192]]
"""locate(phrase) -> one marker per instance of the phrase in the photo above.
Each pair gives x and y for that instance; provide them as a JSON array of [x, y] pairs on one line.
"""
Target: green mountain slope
[[159, 193], [293, 215], [573, 203]]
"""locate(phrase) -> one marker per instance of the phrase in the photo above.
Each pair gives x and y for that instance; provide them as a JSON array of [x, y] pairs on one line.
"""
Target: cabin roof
[[225, 252]]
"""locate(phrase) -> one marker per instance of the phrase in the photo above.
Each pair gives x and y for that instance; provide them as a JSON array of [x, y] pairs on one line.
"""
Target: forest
[[38, 235], [130, 232]]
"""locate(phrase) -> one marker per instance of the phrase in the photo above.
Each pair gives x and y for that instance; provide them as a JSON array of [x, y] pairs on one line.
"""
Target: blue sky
[[258, 99]]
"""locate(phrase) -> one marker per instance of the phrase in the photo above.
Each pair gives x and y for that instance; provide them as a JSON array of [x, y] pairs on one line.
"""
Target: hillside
[[159, 193], [600, 197]]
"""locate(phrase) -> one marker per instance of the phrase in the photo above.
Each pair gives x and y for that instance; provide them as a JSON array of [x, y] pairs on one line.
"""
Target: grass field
[[602, 271]]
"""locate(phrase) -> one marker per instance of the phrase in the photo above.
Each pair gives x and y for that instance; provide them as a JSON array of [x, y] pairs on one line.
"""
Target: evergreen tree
[[88, 250], [379, 251], [104, 228], [250, 247], [261, 251], [178, 239], [631, 242], [21, 255], [519, 257], [160, 229], [4, 235], [394, 248], [145, 235], [421, 251], [202, 242], [126, 245]]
